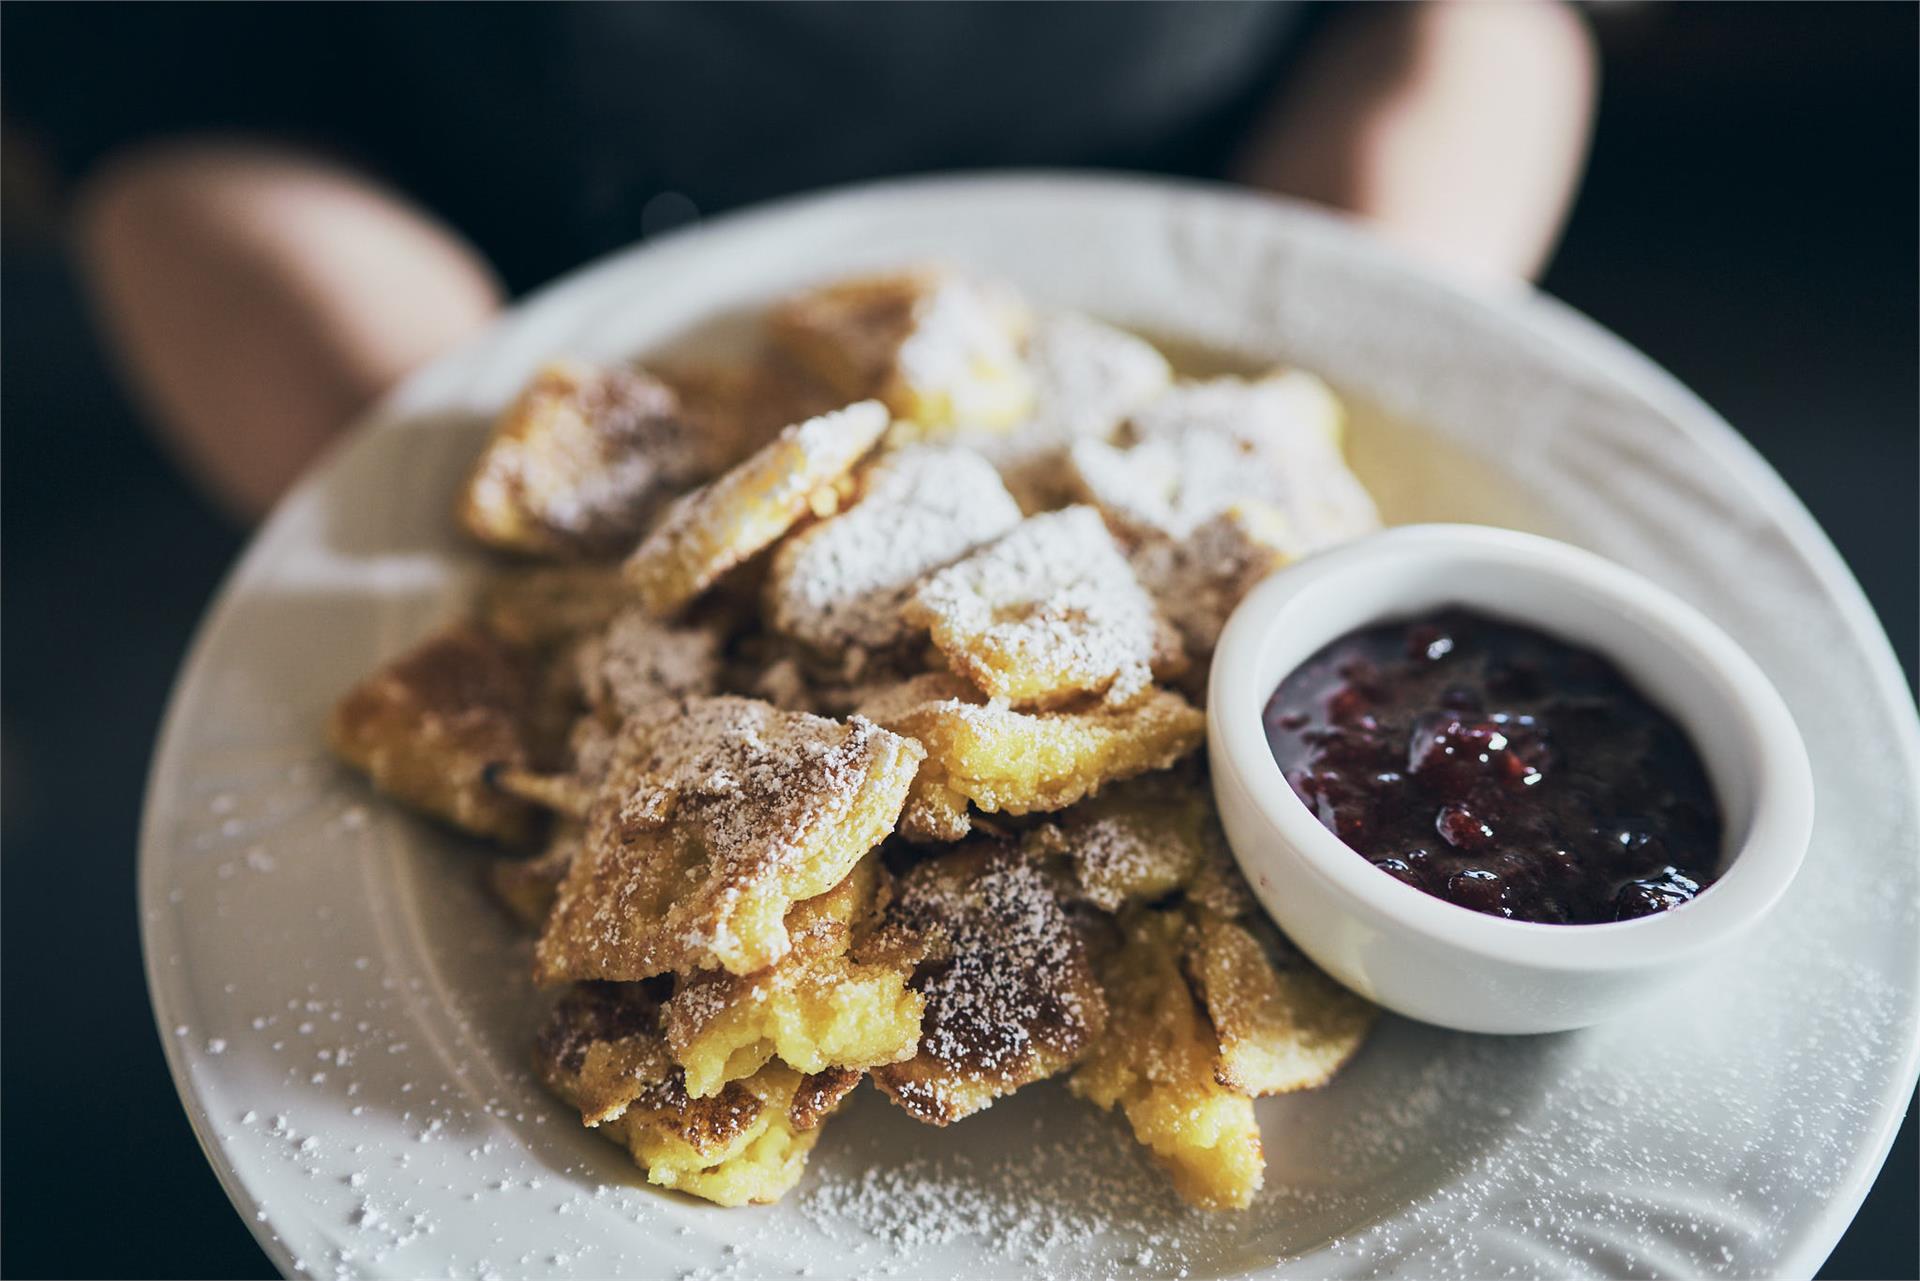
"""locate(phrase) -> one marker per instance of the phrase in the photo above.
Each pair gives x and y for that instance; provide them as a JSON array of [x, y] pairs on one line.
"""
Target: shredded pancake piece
[[1046, 613], [942, 350], [1258, 412], [786, 683], [1218, 885], [568, 792], [1006, 761], [638, 662], [1202, 447], [843, 584], [715, 818], [1156, 1063], [1010, 995], [602, 1051], [747, 1145], [579, 463], [1137, 842], [601, 1048], [431, 727], [1198, 579], [815, 1008], [1281, 1024], [543, 607], [709, 531]]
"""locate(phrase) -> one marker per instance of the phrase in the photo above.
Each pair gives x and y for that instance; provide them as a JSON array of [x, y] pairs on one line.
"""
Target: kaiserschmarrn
[[834, 714]]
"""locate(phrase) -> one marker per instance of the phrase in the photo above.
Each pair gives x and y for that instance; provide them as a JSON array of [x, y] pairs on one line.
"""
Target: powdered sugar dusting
[[638, 662], [884, 1217], [752, 779], [962, 329], [1088, 376], [1050, 609], [585, 453], [1200, 448], [1010, 997], [845, 582], [709, 531], [1199, 578]]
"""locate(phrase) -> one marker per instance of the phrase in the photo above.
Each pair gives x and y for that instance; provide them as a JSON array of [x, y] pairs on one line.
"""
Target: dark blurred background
[[1748, 219]]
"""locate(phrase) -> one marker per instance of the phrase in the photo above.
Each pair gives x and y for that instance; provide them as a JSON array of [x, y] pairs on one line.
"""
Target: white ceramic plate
[[345, 1013]]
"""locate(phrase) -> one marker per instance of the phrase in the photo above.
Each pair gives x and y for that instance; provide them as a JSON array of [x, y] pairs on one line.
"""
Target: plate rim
[[1575, 334]]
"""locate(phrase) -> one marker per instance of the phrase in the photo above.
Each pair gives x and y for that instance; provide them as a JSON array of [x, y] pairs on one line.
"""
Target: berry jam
[[1498, 768]]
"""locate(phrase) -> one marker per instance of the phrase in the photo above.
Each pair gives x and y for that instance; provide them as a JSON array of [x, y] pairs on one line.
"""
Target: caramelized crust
[[428, 728], [715, 528], [1156, 1064], [846, 333], [819, 1095], [712, 823], [1010, 997], [569, 793], [602, 1051], [579, 463], [1048, 613], [746, 1145], [1014, 762], [815, 1008]]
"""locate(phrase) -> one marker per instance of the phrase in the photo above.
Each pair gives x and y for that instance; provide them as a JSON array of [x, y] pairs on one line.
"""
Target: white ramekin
[[1423, 956]]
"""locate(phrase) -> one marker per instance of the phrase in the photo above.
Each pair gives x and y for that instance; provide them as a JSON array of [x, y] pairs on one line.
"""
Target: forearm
[[1458, 128], [257, 299]]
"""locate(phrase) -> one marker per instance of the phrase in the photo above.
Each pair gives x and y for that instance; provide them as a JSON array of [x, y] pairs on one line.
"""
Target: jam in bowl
[[1499, 768]]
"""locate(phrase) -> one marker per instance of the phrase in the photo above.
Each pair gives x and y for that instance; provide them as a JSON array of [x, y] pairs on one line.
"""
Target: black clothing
[[542, 131]]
